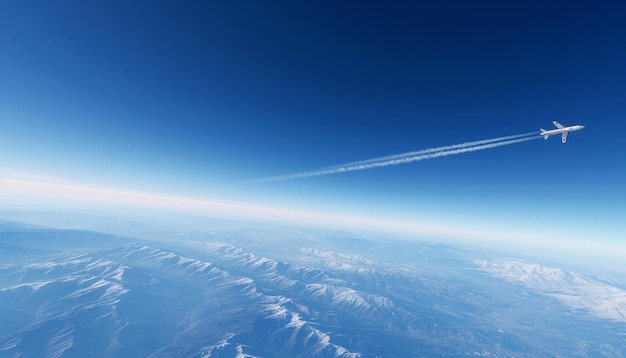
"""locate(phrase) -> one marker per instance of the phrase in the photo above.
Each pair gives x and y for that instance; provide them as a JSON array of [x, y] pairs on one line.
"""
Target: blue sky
[[194, 98]]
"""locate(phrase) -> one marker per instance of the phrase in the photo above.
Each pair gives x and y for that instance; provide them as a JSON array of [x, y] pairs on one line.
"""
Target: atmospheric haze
[[192, 179]]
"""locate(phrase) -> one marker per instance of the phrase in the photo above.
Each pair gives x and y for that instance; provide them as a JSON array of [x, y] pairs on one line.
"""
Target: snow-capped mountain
[[574, 290], [225, 295]]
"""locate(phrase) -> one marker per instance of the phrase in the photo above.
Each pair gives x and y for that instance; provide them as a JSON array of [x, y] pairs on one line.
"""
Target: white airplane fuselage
[[560, 129]]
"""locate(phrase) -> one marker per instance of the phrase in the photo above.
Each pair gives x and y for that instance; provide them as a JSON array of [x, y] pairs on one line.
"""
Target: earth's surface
[[272, 291]]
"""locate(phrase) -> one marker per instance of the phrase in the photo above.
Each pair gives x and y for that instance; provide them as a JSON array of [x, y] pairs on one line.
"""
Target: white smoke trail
[[432, 150], [409, 157]]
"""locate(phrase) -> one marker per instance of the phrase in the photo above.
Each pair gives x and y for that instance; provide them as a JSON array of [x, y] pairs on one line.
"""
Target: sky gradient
[[195, 99]]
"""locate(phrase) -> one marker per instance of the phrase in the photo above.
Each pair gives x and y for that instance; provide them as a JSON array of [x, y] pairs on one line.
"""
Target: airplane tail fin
[[542, 132]]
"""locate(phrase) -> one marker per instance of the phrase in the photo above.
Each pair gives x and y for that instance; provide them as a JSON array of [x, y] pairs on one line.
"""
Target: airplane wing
[[558, 125], [564, 137]]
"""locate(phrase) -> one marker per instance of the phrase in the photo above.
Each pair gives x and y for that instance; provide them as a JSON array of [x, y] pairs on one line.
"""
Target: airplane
[[563, 130]]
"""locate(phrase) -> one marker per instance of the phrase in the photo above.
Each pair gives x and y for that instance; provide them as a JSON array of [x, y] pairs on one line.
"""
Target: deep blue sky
[[190, 97]]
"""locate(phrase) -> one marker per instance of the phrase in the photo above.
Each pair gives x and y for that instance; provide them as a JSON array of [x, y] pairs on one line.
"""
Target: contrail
[[431, 150], [409, 157]]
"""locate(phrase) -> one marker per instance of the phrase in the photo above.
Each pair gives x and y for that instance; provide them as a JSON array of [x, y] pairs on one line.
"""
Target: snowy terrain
[[72, 293], [574, 290]]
